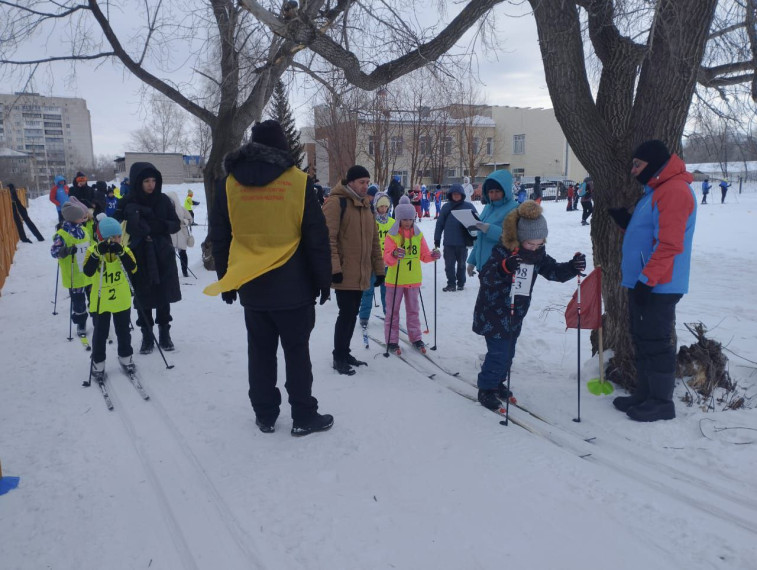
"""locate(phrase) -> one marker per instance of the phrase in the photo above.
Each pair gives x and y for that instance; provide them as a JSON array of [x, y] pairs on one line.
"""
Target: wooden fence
[[8, 232]]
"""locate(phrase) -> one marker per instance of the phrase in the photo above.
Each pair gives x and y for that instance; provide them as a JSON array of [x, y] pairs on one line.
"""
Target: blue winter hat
[[108, 228], [456, 188], [372, 190]]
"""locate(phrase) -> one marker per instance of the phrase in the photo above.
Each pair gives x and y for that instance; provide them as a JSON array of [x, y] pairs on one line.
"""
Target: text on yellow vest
[[116, 294], [66, 264]]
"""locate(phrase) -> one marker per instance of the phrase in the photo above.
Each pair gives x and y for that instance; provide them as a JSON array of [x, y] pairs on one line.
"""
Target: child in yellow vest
[[70, 244], [404, 250], [106, 263], [189, 202], [381, 205]]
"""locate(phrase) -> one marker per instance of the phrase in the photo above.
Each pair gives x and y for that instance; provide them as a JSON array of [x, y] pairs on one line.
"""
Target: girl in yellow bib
[[404, 250], [106, 263]]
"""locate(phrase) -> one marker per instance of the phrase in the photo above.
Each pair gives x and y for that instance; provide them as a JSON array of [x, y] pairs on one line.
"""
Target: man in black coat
[[273, 203], [395, 191], [150, 220]]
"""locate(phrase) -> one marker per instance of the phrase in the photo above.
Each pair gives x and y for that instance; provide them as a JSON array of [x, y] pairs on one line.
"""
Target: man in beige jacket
[[355, 253]]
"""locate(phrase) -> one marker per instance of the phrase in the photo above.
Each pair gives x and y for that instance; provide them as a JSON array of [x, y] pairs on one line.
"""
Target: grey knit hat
[[532, 228], [73, 210], [404, 210]]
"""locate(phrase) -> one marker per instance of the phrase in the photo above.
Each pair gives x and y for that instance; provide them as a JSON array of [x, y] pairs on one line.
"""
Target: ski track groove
[[562, 440], [229, 520]]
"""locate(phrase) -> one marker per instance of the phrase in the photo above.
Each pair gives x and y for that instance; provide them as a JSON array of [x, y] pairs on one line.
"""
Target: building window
[[489, 146], [519, 144], [395, 146], [451, 172], [476, 145], [447, 146], [424, 144], [519, 171]]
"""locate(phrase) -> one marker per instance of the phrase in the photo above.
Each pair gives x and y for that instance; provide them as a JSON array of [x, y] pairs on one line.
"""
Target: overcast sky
[[512, 76]]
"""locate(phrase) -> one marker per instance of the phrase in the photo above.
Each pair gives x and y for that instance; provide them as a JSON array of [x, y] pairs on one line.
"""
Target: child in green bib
[[404, 250], [107, 263]]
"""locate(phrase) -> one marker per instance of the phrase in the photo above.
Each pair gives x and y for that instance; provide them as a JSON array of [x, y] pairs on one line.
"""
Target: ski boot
[[394, 348], [127, 364], [81, 330], [420, 346], [488, 399], [98, 372]]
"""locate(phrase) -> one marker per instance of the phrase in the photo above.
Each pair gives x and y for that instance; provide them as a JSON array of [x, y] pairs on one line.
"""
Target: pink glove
[[399, 253]]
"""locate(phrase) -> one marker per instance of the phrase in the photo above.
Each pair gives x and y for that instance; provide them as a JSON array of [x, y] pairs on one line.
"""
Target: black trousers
[[349, 306], [454, 264], [652, 335], [588, 208], [121, 322], [264, 329], [145, 318], [183, 260], [19, 214]]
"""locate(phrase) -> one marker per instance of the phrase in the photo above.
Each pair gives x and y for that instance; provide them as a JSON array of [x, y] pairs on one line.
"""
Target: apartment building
[[429, 146], [56, 133]]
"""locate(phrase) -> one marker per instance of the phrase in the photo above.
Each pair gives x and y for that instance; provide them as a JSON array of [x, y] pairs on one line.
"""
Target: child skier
[[425, 202], [404, 250], [70, 244], [438, 200], [111, 201], [105, 263], [507, 280], [381, 205]]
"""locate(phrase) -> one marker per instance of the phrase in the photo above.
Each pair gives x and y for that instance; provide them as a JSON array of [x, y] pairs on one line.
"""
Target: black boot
[[343, 367], [164, 338], [352, 361], [488, 399], [316, 423], [147, 341], [652, 410], [625, 403]]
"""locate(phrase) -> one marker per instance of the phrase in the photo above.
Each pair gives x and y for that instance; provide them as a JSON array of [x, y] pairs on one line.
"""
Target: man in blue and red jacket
[[655, 269]]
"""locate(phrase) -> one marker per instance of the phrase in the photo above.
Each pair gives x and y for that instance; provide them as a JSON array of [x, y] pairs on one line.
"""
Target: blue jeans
[[499, 358], [367, 300]]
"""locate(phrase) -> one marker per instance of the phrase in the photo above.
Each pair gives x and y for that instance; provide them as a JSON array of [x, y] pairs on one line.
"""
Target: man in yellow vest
[[270, 244], [355, 253]]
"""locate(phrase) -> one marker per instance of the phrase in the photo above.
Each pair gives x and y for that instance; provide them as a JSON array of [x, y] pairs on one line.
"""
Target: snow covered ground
[[412, 475]]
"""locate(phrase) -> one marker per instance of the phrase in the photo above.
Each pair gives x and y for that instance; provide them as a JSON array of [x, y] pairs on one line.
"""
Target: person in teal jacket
[[498, 187]]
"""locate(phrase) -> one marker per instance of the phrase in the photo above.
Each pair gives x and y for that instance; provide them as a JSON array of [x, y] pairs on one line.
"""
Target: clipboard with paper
[[468, 218]]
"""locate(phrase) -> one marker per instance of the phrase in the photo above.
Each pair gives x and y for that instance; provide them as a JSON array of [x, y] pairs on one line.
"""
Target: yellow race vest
[[266, 227], [188, 203], [66, 263], [383, 230], [116, 295], [409, 266]]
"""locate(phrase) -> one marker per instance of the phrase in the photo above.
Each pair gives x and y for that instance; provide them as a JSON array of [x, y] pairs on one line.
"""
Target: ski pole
[[420, 294], [188, 269], [578, 331], [55, 303], [394, 306], [434, 347], [97, 327], [71, 299], [509, 370], [141, 312]]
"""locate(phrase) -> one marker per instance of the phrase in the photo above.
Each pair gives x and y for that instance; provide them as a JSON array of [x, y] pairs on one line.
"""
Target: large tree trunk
[[644, 93]]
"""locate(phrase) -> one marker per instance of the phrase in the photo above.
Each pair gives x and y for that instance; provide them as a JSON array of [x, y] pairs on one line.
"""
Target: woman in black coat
[[150, 220]]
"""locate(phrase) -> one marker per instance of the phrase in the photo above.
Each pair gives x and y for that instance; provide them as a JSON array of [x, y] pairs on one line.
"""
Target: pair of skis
[[132, 375]]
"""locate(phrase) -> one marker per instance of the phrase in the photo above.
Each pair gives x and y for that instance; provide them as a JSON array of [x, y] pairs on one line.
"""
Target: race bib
[[522, 280], [81, 252]]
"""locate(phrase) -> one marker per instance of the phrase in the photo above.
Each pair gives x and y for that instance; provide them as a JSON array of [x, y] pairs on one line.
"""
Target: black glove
[[337, 277], [156, 226], [579, 262], [66, 251], [116, 248], [437, 244], [103, 247], [379, 281], [325, 295], [512, 263], [621, 217], [229, 296], [642, 293]]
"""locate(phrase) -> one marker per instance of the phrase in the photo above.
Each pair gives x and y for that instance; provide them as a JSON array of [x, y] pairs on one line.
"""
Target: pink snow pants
[[412, 315]]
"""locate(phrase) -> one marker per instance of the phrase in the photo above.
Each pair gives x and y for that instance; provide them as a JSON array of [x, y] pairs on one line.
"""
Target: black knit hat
[[356, 172], [655, 154], [270, 133]]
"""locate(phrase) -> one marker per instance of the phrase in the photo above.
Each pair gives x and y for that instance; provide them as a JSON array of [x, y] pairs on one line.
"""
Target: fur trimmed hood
[[529, 210]]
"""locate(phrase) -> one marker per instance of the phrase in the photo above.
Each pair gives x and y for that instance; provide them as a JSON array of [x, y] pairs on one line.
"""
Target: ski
[[85, 343], [101, 384], [365, 337], [132, 374]]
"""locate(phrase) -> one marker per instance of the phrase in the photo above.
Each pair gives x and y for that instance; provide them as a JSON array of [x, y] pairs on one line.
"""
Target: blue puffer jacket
[[494, 214], [657, 241]]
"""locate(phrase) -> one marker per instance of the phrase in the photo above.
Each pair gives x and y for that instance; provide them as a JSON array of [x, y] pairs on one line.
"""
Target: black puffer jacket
[[150, 221], [298, 281]]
